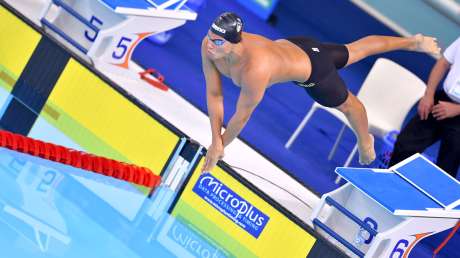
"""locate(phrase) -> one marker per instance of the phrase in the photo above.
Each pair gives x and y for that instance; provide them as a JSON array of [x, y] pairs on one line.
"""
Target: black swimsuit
[[325, 85]]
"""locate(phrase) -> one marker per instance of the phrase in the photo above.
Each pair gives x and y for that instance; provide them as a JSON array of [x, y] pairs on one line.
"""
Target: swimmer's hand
[[214, 154]]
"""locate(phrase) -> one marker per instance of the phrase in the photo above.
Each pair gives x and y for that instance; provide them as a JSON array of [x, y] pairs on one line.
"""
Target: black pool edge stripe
[[187, 179], [34, 86], [171, 156], [180, 134]]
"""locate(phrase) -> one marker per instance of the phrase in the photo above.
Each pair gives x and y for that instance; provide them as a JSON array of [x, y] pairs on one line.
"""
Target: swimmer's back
[[285, 61]]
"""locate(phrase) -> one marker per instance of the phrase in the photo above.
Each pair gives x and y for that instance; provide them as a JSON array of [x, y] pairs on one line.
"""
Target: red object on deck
[[104, 166], [158, 83]]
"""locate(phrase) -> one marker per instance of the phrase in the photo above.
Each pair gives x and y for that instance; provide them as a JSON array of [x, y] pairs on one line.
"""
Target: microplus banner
[[240, 211]]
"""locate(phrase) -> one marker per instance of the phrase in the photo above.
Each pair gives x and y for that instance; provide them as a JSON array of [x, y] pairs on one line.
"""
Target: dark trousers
[[418, 135]]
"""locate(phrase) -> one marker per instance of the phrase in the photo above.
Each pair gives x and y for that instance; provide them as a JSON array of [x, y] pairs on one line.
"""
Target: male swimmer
[[254, 63]]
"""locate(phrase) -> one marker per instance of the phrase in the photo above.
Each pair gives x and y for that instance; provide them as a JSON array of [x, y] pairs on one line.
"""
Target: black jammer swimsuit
[[325, 85]]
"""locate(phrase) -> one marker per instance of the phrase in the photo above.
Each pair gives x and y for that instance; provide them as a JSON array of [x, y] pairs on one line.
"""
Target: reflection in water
[[186, 241], [53, 210]]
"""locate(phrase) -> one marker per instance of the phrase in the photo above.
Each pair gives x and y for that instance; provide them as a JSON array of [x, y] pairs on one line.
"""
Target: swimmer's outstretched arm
[[252, 92], [249, 98], [214, 100], [214, 97]]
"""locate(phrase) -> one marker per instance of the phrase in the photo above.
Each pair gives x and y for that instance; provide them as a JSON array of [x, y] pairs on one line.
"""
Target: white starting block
[[106, 32], [386, 212]]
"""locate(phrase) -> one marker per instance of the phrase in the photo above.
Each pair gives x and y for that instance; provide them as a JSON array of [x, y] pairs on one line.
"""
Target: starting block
[[386, 212], [106, 32]]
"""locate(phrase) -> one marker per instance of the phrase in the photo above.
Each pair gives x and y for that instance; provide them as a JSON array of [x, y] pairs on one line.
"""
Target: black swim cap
[[229, 26]]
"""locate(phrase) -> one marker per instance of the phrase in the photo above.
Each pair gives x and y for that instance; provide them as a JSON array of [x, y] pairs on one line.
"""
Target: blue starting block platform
[[383, 212]]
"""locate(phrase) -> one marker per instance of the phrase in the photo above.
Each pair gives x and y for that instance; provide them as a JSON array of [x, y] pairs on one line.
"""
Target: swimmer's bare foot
[[425, 44], [366, 151]]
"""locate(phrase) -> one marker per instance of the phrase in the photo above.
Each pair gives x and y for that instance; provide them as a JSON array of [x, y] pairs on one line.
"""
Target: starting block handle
[[63, 35], [350, 215], [331, 232], [77, 16]]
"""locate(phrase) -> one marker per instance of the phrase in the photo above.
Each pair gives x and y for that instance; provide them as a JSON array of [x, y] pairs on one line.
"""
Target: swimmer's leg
[[372, 45], [356, 114]]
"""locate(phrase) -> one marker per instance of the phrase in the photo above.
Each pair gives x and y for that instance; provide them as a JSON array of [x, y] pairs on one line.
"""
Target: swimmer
[[255, 63]]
